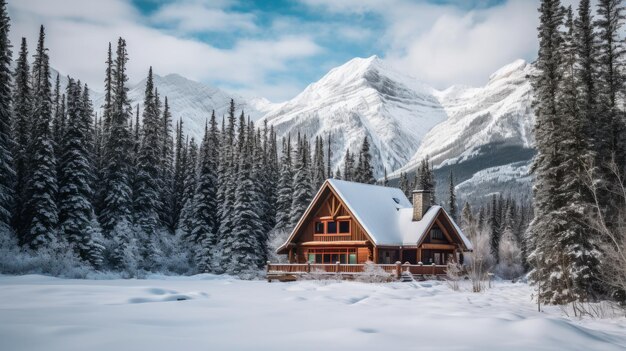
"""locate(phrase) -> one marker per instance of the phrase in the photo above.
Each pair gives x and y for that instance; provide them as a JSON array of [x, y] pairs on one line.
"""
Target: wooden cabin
[[352, 223]]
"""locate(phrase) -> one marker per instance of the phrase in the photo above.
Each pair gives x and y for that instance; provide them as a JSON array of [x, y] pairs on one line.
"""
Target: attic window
[[396, 200]]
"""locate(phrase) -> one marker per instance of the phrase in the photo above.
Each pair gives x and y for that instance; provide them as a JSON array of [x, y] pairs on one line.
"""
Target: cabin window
[[344, 227], [331, 256], [319, 227], [436, 234], [331, 227]]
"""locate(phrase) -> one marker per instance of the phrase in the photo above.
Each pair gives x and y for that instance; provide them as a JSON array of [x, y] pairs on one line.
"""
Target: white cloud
[[198, 16], [444, 45], [78, 32]]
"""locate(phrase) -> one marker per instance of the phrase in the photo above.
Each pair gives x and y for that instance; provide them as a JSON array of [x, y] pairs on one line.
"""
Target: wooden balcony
[[293, 271]]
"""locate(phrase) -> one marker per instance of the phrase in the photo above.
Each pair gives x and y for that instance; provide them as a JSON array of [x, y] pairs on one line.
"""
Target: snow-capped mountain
[[363, 97], [498, 114], [463, 129], [193, 101]]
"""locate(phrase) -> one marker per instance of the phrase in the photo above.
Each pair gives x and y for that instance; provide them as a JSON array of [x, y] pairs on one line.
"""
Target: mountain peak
[[518, 65]]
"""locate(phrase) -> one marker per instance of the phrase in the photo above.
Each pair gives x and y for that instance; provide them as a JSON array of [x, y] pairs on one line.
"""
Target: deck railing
[[395, 270]]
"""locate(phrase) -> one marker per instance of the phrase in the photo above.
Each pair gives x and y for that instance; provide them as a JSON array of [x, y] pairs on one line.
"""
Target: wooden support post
[[433, 268], [337, 264], [398, 270]]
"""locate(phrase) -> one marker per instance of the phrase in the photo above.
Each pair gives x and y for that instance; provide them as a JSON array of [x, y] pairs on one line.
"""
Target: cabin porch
[[396, 271]]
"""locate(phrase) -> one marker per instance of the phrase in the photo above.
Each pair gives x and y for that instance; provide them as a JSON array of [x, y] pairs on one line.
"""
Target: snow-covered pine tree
[[404, 185], [259, 200], [365, 170], [338, 174], [21, 126], [452, 197], [348, 166], [204, 221], [285, 188], [612, 77], [271, 172], [41, 215], [241, 247], [103, 135], [179, 173], [167, 167], [302, 191], [7, 167], [226, 186], [259, 180], [480, 221], [577, 106], [117, 199], [76, 214], [425, 179], [319, 169], [610, 124], [147, 194], [58, 118], [494, 223], [468, 222], [547, 225], [186, 214], [329, 169]]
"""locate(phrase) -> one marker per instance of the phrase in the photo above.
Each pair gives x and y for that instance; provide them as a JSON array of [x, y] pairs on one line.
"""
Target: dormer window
[[396, 200]]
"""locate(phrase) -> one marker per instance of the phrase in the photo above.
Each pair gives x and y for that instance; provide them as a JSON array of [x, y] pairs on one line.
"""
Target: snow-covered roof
[[386, 214]]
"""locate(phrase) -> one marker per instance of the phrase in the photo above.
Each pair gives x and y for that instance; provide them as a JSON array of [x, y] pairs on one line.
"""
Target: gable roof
[[385, 214]]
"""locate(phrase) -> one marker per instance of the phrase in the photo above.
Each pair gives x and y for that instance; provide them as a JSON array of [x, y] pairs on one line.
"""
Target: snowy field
[[219, 313]]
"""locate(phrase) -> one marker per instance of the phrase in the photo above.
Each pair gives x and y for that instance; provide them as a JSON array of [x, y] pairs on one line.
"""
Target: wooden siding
[[331, 209]]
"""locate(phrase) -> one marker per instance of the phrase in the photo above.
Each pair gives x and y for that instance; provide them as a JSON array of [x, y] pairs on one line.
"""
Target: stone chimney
[[421, 203]]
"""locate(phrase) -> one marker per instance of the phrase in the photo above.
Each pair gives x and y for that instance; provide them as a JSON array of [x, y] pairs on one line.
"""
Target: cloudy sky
[[275, 48]]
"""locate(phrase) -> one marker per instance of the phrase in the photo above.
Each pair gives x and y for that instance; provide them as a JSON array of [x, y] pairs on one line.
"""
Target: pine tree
[[204, 222], [58, 119], [179, 173], [494, 222], [302, 192], [424, 179], [452, 198], [348, 166], [147, 194], [186, 214], [612, 123], [578, 107], [41, 215], [319, 168], [329, 171], [22, 124], [285, 188], [76, 213], [404, 185], [365, 170], [468, 221], [7, 167], [546, 164], [117, 199], [241, 247], [167, 167], [226, 173], [271, 174]]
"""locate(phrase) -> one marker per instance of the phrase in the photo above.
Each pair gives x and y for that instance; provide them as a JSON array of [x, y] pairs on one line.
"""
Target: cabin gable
[[328, 231]]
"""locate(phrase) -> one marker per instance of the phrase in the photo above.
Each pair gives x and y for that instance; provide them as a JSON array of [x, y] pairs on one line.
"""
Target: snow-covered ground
[[219, 313]]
